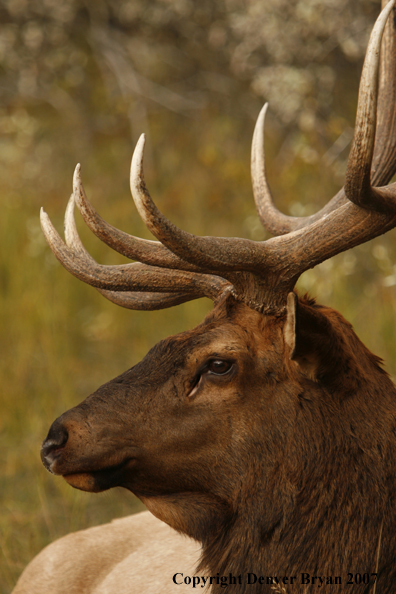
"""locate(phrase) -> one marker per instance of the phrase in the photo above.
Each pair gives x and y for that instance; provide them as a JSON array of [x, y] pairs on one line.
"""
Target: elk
[[267, 433]]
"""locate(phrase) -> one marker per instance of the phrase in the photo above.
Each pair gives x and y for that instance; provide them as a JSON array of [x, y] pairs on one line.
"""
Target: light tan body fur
[[138, 554]]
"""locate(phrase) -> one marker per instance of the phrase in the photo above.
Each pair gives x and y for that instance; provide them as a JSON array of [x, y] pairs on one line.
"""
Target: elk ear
[[307, 333], [290, 328]]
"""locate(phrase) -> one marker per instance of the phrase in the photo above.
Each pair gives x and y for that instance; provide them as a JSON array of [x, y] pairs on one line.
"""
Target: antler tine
[[384, 160], [149, 301], [72, 237], [129, 300], [212, 254], [134, 248], [275, 221], [127, 277], [358, 187]]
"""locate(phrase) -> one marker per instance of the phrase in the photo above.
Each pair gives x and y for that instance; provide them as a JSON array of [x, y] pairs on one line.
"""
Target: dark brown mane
[[346, 440]]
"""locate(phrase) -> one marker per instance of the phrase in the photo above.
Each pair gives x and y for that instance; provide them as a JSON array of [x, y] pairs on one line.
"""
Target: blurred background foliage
[[79, 81]]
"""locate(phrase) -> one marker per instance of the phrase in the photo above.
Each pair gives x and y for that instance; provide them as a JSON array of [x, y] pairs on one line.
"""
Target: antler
[[383, 163], [182, 266], [180, 286]]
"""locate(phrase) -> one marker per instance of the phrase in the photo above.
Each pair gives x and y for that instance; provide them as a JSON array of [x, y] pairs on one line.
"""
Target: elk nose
[[54, 442]]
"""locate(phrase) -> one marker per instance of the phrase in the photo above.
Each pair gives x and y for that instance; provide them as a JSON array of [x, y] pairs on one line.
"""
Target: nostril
[[53, 443], [57, 437]]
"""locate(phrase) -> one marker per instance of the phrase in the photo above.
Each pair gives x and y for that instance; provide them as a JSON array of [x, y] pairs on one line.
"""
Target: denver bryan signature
[[273, 580]]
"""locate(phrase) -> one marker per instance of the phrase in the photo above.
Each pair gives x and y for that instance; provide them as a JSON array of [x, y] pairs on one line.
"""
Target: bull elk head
[[267, 432]]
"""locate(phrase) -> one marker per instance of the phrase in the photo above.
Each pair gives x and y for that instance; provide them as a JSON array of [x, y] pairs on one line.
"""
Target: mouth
[[98, 480]]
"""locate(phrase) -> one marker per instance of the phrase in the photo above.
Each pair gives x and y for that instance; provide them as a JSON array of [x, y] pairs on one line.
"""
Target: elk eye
[[219, 366]]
